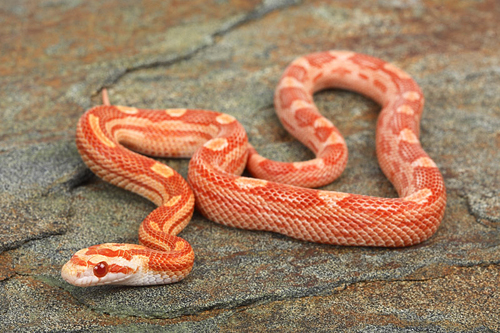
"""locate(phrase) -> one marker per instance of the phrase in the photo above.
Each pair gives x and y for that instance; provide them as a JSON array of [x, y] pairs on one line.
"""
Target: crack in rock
[[485, 207], [113, 73]]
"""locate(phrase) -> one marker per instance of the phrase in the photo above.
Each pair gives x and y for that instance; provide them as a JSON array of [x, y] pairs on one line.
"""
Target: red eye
[[101, 269]]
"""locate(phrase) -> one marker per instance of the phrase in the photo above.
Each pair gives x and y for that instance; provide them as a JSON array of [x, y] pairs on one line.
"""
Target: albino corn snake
[[220, 150]]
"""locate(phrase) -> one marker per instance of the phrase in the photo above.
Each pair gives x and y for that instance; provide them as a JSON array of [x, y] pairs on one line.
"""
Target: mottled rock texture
[[57, 55]]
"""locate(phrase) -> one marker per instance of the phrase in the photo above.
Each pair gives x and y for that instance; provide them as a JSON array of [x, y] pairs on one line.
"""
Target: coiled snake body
[[220, 151]]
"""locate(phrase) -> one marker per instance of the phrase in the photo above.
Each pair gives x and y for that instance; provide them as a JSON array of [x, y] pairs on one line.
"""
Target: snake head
[[104, 264]]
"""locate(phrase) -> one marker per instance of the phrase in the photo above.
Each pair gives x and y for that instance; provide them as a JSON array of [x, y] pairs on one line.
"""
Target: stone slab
[[227, 56]]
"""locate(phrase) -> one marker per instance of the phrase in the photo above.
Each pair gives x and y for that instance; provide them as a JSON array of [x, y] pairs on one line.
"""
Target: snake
[[115, 142]]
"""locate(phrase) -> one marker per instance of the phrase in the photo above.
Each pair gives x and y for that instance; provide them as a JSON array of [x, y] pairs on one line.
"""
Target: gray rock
[[228, 57]]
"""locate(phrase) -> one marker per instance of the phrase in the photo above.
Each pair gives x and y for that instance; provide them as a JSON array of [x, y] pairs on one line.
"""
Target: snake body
[[274, 201]]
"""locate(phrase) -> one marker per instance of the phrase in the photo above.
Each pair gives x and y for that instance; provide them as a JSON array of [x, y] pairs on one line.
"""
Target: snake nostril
[[101, 269]]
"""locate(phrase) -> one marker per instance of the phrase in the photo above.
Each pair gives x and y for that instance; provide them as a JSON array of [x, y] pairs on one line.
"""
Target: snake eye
[[101, 269]]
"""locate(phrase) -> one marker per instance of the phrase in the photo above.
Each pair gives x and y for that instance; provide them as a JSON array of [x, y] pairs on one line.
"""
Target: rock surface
[[57, 55]]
